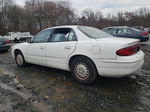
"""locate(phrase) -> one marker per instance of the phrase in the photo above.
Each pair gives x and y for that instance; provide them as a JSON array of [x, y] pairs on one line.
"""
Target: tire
[[83, 70], [19, 59]]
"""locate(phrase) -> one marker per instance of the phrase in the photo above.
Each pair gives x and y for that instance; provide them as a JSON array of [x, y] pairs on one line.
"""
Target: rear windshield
[[93, 32], [134, 29]]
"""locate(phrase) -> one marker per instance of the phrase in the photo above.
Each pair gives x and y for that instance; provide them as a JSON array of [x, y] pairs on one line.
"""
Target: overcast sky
[[106, 6]]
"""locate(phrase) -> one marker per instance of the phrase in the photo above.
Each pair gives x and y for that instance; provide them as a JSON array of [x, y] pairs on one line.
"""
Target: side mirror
[[29, 40]]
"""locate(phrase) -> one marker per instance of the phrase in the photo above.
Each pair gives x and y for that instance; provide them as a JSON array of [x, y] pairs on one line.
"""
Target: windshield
[[93, 32]]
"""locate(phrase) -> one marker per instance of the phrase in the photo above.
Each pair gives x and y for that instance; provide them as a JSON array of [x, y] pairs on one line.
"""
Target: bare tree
[[39, 14]]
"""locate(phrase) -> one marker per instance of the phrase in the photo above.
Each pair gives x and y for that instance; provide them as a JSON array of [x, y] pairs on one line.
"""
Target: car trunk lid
[[109, 46], [119, 40]]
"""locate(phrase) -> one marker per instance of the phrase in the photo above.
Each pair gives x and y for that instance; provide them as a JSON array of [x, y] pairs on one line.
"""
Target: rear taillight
[[128, 50], [7, 42], [144, 34]]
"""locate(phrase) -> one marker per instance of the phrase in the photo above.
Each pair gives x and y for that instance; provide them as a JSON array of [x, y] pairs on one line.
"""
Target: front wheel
[[83, 70], [19, 58]]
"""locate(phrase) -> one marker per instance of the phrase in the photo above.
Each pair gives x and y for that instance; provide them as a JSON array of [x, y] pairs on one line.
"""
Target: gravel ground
[[41, 89]]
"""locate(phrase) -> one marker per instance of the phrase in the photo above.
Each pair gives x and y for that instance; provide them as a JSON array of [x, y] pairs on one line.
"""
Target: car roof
[[65, 26], [117, 27]]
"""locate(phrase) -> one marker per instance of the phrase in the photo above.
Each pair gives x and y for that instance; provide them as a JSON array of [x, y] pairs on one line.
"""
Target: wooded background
[[36, 15]]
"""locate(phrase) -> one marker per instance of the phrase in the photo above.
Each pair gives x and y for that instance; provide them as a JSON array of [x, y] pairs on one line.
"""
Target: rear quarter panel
[[96, 49]]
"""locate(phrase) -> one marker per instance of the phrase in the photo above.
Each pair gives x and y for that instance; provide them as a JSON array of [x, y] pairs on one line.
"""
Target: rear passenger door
[[61, 45]]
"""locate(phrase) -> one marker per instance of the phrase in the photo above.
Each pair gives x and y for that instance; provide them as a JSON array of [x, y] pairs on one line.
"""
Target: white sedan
[[85, 51]]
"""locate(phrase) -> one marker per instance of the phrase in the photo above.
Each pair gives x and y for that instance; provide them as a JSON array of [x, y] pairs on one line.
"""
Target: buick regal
[[84, 51]]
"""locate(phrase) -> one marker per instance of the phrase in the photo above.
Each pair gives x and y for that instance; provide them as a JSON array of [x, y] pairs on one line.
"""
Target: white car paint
[[101, 51], [36, 53], [62, 50]]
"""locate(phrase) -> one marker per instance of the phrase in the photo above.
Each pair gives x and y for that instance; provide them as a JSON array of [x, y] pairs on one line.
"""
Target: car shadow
[[4, 51], [124, 82]]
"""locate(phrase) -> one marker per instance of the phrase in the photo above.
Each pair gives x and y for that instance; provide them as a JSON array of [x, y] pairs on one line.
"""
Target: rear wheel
[[19, 58], [83, 70]]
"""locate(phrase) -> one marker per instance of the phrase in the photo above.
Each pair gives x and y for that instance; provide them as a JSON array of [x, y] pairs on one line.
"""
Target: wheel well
[[17, 51], [73, 57]]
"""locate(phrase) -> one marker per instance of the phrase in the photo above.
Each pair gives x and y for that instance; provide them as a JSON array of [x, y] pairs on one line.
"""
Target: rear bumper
[[120, 67], [4, 47]]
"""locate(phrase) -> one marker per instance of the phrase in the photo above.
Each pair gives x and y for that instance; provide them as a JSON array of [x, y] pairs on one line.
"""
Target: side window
[[123, 31], [42, 36], [62, 35], [130, 31], [71, 36], [111, 31]]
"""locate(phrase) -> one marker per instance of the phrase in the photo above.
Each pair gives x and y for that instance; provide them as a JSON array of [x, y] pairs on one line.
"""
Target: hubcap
[[19, 59], [81, 71]]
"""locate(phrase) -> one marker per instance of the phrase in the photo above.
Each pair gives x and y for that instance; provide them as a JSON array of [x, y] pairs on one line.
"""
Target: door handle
[[67, 47], [41, 47]]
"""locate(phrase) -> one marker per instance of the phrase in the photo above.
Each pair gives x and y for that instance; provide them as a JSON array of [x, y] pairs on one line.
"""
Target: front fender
[[23, 47]]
